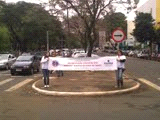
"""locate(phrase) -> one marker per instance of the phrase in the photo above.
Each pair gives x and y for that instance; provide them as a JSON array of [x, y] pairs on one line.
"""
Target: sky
[[37, 1], [130, 16], [32, 1]]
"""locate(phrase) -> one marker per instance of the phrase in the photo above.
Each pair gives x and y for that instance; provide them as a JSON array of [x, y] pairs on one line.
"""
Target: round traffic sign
[[118, 35]]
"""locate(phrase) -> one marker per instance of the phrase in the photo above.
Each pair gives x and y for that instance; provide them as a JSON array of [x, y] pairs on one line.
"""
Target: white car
[[75, 54], [131, 53], [80, 55], [6, 60], [142, 55]]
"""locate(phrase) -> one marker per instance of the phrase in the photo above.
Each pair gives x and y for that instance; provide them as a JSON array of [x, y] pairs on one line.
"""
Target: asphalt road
[[146, 69], [12, 83], [141, 68], [20, 102]]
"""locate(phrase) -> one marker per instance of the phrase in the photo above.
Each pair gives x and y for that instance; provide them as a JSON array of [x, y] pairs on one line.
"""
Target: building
[[150, 6], [153, 7]]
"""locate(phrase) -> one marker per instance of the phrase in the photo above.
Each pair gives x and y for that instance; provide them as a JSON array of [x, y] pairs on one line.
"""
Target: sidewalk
[[84, 83]]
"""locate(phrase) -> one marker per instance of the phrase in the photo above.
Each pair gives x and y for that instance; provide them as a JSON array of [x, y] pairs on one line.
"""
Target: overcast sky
[[32, 1], [38, 1], [130, 16]]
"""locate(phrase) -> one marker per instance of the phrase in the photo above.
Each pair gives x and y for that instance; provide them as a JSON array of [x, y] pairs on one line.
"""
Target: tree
[[144, 29], [37, 22], [4, 39], [28, 24], [113, 21], [77, 29], [89, 11]]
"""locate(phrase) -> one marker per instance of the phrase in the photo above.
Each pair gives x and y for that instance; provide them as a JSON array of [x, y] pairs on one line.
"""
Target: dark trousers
[[59, 73], [119, 77], [46, 76]]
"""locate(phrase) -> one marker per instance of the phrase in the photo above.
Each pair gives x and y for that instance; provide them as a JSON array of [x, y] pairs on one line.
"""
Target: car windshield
[[24, 58], [3, 56]]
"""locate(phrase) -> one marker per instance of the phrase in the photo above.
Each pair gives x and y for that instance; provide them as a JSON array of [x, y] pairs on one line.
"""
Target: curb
[[56, 93]]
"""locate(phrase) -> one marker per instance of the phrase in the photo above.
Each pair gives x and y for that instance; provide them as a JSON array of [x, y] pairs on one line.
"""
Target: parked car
[[26, 64], [80, 55], [143, 55], [131, 53], [77, 52], [39, 54], [6, 60]]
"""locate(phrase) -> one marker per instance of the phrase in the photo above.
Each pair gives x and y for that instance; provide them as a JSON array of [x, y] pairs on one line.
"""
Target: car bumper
[[2, 66], [20, 70]]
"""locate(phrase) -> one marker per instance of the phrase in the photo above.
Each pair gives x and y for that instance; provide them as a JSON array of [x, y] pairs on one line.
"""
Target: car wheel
[[12, 73], [31, 71], [38, 69]]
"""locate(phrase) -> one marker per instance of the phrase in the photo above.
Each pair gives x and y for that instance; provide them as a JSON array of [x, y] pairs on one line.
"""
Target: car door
[[35, 63]]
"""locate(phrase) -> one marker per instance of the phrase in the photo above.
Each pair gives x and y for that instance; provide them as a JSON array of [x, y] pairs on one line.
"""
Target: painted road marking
[[6, 81], [149, 83], [39, 75], [17, 76], [17, 86], [4, 72]]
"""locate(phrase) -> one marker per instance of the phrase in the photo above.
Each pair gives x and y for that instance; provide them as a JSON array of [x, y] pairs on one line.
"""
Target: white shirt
[[121, 64], [44, 62]]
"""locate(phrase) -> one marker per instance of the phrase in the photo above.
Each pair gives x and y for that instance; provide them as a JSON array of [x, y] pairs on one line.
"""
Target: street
[[147, 69], [20, 102], [12, 83], [49, 41]]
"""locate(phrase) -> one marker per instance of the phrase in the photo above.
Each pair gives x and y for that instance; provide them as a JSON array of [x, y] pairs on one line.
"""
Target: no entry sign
[[118, 35]]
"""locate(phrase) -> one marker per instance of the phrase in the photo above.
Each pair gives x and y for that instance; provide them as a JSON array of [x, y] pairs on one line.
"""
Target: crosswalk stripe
[[4, 72], [6, 81], [149, 83], [17, 86]]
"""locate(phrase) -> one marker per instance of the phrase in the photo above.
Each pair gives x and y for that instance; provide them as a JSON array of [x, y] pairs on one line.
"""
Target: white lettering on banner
[[81, 64]]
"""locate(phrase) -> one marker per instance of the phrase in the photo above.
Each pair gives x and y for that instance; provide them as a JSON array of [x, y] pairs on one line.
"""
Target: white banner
[[81, 64]]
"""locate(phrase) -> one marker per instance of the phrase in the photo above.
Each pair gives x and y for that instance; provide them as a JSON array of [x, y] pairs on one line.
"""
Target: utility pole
[[47, 41], [68, 19]]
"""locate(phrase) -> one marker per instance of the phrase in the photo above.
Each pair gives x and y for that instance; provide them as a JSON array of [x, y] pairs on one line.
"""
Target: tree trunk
[[150, 52], [90, 50]]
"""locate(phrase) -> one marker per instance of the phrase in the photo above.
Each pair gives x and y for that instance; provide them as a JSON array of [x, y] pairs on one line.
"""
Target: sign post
[[118, 35]]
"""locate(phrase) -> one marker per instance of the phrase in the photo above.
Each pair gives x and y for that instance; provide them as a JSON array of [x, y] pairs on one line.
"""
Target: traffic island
[[88, 83]]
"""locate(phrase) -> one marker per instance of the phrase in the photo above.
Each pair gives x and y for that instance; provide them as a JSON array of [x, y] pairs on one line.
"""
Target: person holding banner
[[45, 71], [59, 72], [52, 54], [120, 68]]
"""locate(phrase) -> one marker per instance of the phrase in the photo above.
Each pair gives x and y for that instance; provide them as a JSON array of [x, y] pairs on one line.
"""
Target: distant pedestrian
[[52, 54], [59, 72], [45, 71], [120, 68]]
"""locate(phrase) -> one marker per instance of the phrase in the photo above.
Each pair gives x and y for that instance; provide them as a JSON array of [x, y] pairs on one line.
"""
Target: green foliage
[[113, 21], [4, 39], [28, 24], [72, 42], [144, 30]]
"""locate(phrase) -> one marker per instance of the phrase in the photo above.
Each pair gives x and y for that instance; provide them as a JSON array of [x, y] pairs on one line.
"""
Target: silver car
[[6, 60]]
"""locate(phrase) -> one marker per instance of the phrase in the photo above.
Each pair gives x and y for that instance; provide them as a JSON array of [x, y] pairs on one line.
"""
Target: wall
[[158, 11], [149, 7]]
